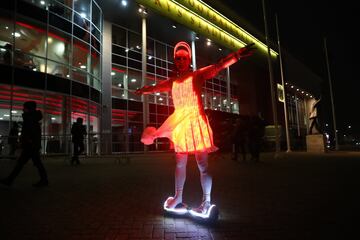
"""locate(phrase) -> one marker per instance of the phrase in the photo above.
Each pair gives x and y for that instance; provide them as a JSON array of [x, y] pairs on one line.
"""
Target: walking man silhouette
[[31, 144], [78, 132]]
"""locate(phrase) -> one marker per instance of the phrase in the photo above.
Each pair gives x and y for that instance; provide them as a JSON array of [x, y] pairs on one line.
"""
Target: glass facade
[[127, 113], [50, 52]]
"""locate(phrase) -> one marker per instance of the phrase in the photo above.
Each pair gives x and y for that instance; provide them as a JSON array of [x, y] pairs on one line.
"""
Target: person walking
[[78, 131], [30, 140], [240, 139]]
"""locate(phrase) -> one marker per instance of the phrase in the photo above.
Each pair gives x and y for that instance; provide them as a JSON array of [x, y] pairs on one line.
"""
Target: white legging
[[180, 174]]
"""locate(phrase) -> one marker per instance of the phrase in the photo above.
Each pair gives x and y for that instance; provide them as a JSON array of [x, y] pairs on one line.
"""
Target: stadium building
[[85, 58]]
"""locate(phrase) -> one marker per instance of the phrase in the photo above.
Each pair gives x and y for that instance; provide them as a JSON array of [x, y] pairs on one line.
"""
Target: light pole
[[288, 145], [331, 95], [273, 103]]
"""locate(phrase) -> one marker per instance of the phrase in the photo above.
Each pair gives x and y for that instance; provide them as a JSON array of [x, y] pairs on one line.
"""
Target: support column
[[297, 116], [228, 92], [145, 98], [106, 84], [193, 52]]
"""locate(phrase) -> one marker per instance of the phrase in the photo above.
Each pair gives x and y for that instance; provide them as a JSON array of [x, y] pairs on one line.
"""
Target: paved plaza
[[293, 196]]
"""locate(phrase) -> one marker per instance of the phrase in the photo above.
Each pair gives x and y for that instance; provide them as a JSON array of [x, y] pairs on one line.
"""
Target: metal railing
[[51, 145]]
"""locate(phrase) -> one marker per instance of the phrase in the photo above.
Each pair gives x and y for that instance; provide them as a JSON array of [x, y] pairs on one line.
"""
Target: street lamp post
[[288, 145], [273, 103], [331, 95]]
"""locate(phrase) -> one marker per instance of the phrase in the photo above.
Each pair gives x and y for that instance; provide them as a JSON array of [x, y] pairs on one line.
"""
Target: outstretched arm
[[212, 70], [164, 86]]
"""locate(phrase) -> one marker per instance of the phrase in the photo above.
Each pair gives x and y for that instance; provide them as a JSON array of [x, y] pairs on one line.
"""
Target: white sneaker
[[203, 208], [171, 202], [174, 205]]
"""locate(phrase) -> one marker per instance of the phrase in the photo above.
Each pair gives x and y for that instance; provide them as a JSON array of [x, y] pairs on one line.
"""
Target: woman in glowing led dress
[[188, 127]]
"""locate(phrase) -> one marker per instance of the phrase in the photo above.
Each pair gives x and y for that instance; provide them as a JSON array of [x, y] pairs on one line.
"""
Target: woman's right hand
[[246, 51]]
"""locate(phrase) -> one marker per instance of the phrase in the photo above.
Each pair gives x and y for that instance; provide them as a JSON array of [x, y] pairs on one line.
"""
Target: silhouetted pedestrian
[[240, 139], [256, 135], [78, 132], [13, 138], [31, 144]]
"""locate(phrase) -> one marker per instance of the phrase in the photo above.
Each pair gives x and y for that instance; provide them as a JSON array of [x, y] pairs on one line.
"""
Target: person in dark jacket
[[13, 138], [78, 132], [256, 135], [240, 139], [30, 140]]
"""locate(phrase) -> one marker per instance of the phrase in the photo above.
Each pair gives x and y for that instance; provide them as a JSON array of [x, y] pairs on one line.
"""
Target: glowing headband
[[182, 45]]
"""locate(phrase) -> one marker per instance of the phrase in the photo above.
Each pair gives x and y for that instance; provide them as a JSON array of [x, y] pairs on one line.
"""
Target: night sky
[[303, 26]]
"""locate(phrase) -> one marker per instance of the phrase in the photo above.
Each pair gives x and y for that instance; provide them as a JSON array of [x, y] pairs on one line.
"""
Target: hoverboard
[[182, 209]]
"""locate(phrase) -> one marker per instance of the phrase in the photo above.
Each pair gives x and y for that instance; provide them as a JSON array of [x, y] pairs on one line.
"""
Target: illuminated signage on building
[[206, 21]]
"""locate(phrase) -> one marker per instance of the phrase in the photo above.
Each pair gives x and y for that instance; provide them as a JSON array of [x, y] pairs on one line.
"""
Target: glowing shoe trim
[[203, 215], [177, 210]]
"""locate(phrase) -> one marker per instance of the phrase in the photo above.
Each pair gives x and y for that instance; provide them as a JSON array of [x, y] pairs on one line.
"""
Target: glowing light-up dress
[[191, 131], [188, 127]]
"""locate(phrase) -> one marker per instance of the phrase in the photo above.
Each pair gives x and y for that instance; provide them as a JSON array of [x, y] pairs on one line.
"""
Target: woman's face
[[182, 61]]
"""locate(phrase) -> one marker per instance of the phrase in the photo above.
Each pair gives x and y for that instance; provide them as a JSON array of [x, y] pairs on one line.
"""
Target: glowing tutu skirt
[[188, 127]]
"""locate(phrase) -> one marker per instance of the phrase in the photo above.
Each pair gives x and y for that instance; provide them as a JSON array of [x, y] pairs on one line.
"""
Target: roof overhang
[[203, 19]]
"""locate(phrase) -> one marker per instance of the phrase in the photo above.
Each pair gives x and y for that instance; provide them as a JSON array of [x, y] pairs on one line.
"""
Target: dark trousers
[[78, 149], [240, 146], [26, 154], [255, 146], [13, 147]]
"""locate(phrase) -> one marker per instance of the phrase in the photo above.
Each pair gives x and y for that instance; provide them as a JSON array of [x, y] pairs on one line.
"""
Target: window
[[61, 9], [30, 37], [83, 8], [59, 46], [96, 15], [54, 116], [119, 81], [119, 36], [5, 112], [81, 55], [95, 63]]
